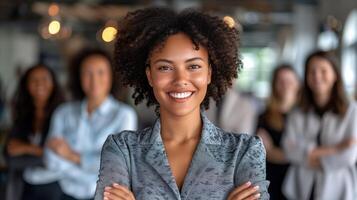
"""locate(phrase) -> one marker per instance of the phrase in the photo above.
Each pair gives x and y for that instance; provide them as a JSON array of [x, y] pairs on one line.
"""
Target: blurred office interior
[[272, 32]]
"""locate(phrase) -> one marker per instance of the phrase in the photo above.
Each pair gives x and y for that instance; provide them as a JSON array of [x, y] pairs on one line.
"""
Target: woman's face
[[40, 84], [286, 85], [96, 77], [179, 75], [320, 76]]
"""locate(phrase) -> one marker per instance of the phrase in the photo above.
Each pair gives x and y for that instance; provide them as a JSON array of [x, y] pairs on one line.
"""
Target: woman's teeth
[[180, 95]]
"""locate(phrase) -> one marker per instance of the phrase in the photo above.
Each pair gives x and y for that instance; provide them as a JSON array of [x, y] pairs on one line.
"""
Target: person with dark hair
[[320, 138], [177, 62], [271, 124], [37, 96], [75, 70], [79, 128]]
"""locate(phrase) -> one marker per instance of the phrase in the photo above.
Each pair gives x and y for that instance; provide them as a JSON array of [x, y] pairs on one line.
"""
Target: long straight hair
[[273, 115], [23, 108]]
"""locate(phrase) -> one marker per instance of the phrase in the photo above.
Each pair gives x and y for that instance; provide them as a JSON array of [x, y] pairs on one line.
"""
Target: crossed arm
[[246, 191], [113, 156]]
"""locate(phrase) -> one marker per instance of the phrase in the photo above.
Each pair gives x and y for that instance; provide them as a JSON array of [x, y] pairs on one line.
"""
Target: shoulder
[[297, 111], [68, 108], [122, 108], [243, 148], [351, 110], [352, 107], [250, 142], [239, 140], [247, 148], [129, 138], [297, 114]]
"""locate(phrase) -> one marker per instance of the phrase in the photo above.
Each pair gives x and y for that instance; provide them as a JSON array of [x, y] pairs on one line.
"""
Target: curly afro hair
[[142, 31]]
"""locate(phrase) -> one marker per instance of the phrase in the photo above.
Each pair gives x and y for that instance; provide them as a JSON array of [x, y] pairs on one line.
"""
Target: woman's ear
[[148, 75]]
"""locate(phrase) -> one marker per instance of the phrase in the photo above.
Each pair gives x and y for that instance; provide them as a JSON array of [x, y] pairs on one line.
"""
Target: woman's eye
[[164, 68], [194, 67]]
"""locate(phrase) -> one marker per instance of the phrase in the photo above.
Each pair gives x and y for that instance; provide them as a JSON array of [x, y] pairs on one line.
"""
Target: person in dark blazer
[[37, 96], [178, 61], [285, 88]]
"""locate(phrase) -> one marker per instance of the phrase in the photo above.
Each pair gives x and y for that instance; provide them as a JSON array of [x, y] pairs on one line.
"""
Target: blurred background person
[[37, 96], [79, 128], [271, 125], [320, 138], [234, 113], [272, 32]]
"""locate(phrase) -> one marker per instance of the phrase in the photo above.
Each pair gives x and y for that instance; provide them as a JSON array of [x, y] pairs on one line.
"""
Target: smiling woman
[[321, 135], [79, 128], [178, 61], [179, 75], [37, 96]]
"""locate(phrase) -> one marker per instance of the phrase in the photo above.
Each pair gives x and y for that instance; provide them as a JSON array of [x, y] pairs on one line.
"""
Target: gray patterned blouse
[[221, 162]]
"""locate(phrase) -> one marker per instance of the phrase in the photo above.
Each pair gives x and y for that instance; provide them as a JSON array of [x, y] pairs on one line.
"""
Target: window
[[349, 53]]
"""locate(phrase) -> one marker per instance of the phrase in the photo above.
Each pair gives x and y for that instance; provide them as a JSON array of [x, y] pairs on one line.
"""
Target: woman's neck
[[39, 116], [286, 104], [321, 100], [94, 103], [39, 104], [180, 128]]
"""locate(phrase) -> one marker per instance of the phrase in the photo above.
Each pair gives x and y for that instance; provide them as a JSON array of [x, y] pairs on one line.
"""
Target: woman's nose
[[181, 77]]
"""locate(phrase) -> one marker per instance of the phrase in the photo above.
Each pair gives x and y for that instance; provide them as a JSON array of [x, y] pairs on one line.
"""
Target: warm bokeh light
[[54, 27], [53, 9], [229, 21], [109, 33]]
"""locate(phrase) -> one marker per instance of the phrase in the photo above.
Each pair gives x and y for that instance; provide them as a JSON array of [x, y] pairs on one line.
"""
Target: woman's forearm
[[17, 147], [34, 150]]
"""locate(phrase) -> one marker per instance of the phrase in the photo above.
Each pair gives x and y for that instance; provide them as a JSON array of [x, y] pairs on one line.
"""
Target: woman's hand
[[245, 192], [117, 192], [345, 144], [317, 153], [313, 158], [62, 148]]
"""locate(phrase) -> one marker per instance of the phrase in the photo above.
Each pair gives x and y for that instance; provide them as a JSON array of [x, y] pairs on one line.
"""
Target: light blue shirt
[[222, 161], [85, 134]]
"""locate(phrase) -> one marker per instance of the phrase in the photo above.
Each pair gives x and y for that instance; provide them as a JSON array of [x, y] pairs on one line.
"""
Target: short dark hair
[[143, 30], [338, 102], [75, 70]]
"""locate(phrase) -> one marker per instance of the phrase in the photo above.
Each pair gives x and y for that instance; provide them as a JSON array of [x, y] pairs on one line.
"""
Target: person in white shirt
[[320, 136], [79, 128]]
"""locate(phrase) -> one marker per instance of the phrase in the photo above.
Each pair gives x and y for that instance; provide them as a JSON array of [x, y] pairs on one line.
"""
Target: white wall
[[17, 49]]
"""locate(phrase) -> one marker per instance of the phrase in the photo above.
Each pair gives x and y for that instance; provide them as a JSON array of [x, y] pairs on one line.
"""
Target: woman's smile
[[181, 97], [179, 75]]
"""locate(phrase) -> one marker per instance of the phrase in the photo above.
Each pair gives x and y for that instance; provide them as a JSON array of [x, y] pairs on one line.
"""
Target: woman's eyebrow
[[171, 62], [195, 58], [163, 60]]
